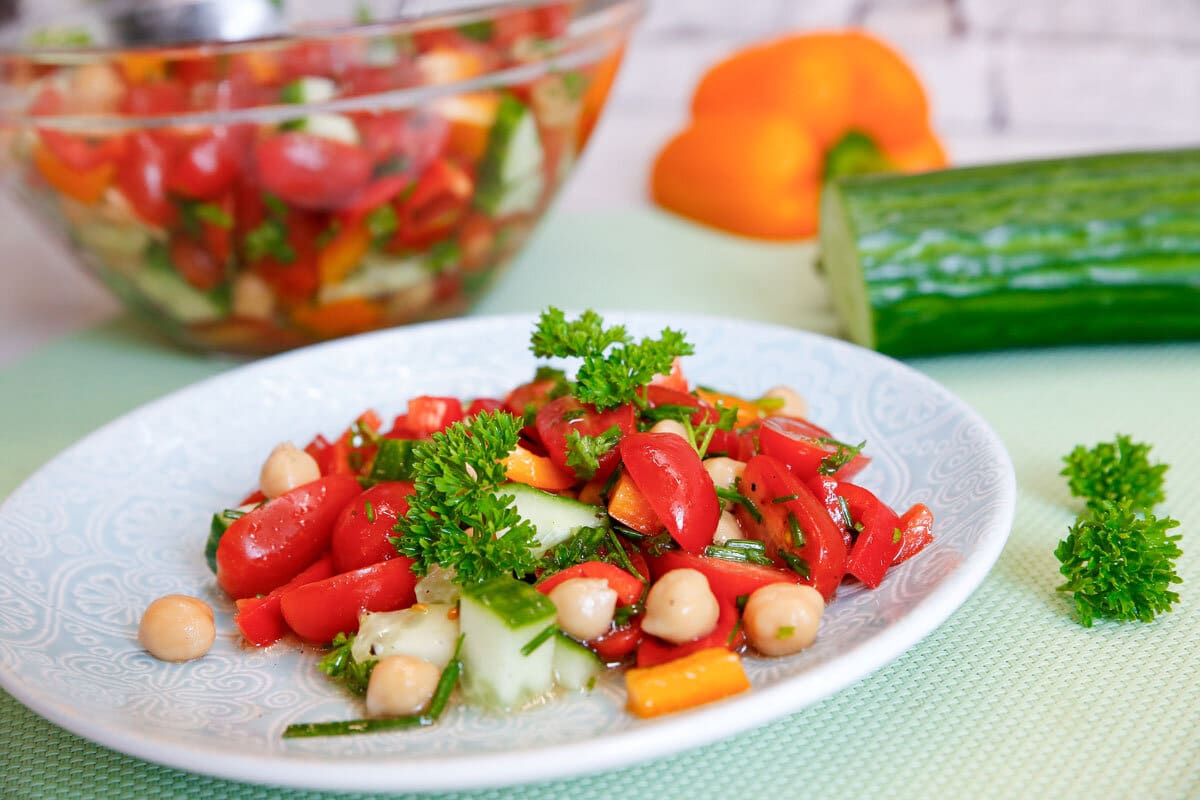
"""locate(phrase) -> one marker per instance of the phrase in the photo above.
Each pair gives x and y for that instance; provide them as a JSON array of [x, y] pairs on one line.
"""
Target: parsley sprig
[[339, 663], [584, 452], [1113, 471], [614, 366], [458, 517]]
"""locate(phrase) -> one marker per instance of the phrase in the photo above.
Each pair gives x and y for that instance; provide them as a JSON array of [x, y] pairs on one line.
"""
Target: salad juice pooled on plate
[[529, 542], [275, 230]]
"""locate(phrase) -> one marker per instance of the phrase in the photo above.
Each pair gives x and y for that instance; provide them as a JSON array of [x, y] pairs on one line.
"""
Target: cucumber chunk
[[428, 632], [575, 667], [510, 175], [555, 519], [499, 618]]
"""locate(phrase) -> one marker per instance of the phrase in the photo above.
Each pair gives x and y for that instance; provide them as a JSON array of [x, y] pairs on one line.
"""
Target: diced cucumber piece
[[429, 632], [376, 277], [309, 89], [575, 666], [555, 519], [393, 460], [119, 245], [499, 618], [510, 174], [438, 586], [328, 126]]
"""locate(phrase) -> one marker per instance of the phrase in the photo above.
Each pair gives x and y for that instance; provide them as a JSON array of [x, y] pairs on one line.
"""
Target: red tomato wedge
[[728, 580], [319, 611], [270, 545], [727, 634], [820, 545], [803, 446], [628, 588], [312, 171], [916, 526], [619, 642], [559, 417], [878, 542], [260, 619], [362, 534], [669, 473]]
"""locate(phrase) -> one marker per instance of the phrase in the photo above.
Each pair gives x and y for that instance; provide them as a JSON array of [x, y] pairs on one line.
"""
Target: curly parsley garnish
[[459, 518], [339, 663], [1115, 471], [1120, 564], [584, 452]]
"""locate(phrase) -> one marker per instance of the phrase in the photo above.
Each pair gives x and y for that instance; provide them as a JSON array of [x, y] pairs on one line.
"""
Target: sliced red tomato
[[916, 526], [785, 508], [312, 171], [728, 634], [362, 534], [675, 379], [141, 177], [260, 619], [319, 611], [559, 417], [378, 193], [878, 542], [825, 489], [618, 643], [533, 395], [668, 472], [803, 446], [295, 280], [196, 263], [428, 414], [721, 441], [205, 166], [154, 98], [439, 201], [728, 580], [406, 140], [628, 588], [76, 151], [481, 405], [270, 545]]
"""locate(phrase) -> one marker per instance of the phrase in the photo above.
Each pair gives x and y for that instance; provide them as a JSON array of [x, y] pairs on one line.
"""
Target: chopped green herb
[[842, 455], [479, 31], [1114, 471], [394, 461], [561, 385], [443, 255], [582, 546], [784, 498], [574, 413], [382, 222], [329, 234], [339, 663], [659, 543], [740, 602], [269, 239], [544, 636], [897, 536], [618, 556], [275, 205], [747, 544], [734, 495], [733, 634], [575, 84], [795, 563], [740, 556], [584, 452], [785, 632], [369, 510], [623, 614], [770, 404], [798, 538]]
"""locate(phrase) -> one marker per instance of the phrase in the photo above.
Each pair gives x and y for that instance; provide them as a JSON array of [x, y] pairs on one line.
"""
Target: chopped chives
[[539, 640], [796, 564]]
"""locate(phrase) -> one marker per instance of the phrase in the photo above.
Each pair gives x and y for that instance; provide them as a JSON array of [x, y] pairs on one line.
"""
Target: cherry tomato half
[[803, 446], [561, 416], [319, 611], [668, 472], [312, 171], [362, 534]]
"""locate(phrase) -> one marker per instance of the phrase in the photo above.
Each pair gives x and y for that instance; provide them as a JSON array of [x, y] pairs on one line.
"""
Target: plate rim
[[656, 738]]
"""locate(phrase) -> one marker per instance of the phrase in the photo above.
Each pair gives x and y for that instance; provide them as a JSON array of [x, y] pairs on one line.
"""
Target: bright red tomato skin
[[796, 442], [319, 611], [270, 545], [728, 580], [668, 471], [361, 539], [141, 177], [916, 526], [628, 588], [615, 645], [653, 651], [204, 168], [552, 429], [260, 619], [876, 547], [440, 199], [429, 414], [312, 172], [767, 479]]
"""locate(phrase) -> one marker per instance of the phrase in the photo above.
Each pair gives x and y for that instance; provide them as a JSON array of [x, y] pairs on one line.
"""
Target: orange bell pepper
[[628, 506], [772, 122], [537, 471], [693, 680], [343, 253], [340, 318], [84, 185]]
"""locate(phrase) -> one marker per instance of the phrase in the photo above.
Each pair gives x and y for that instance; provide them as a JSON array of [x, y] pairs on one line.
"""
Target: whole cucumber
[[1090, 249]]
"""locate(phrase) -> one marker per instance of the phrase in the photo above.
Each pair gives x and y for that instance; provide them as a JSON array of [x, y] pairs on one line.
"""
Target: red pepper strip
[[319, 611], [916, 528], [669, 473], [260, 619], [727, 634], [879, 541], [628, 588]]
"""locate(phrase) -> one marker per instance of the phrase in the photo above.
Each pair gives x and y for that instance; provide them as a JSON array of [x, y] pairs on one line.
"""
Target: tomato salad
[[339, 210], [525, 543]]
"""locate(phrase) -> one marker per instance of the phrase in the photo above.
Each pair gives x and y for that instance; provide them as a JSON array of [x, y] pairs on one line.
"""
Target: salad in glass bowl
[[522, 545], [261, 194]]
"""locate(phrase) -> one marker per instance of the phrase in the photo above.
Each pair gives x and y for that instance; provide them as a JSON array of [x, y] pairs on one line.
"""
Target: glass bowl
[[301, 179]]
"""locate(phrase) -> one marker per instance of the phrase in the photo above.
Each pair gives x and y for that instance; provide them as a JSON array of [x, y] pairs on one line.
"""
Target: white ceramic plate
[[122, 517]]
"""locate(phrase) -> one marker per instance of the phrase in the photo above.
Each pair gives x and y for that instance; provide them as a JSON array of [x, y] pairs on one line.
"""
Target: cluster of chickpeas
[[778, 619]]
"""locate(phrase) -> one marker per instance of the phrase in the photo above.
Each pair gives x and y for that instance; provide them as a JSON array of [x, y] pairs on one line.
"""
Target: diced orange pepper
[[343, 253], [628, 506], [85, 185], [340, 318], [471, 117], [262, 66], [748, 412], [693, 680], [592, 492], [540, 472], [141, 68], [756, 175]]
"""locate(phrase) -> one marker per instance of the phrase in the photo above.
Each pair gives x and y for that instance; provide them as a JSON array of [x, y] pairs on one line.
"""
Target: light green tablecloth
[[1010, 698]]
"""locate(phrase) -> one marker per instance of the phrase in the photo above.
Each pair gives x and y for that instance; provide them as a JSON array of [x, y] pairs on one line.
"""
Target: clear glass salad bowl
[[255, 176]]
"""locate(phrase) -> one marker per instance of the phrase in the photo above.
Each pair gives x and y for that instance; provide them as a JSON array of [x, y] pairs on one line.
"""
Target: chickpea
[[724, 471], [401, 685], [286, 468], [727, 528], [782, 618], [794, 404], [680, 607], [253, 298], [670, 426], [176, 627], [585, 606]]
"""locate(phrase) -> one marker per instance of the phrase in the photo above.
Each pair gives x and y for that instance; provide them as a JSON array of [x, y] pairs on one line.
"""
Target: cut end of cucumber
[[508, 661], [843, 271]]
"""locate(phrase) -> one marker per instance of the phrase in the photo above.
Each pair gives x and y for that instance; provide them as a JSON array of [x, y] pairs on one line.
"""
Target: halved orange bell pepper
[[772, 122], [540, 472], [84, 185]]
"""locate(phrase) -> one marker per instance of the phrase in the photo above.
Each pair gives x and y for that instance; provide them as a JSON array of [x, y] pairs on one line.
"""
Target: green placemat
[[1010, 698]]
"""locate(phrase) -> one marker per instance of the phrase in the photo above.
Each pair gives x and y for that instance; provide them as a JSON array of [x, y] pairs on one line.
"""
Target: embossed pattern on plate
[[121, 518]]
